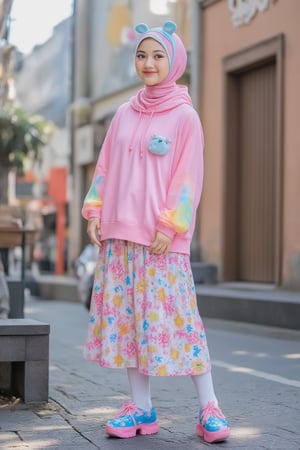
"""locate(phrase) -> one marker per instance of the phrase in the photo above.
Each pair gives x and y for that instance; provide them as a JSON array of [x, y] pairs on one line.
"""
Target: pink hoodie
[[149, 173]]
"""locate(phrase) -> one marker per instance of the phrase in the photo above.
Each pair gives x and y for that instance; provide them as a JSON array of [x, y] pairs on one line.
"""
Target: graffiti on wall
[[244, 10]]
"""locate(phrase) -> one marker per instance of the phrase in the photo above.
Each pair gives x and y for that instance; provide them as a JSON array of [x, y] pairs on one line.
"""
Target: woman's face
[[151, 62]]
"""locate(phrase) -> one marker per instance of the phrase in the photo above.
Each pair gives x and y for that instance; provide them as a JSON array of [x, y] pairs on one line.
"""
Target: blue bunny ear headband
[[168, 28], [166, 31]]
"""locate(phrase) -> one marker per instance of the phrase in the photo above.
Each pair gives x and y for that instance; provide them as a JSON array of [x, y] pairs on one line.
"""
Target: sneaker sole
[[129, 432], [212, 436]]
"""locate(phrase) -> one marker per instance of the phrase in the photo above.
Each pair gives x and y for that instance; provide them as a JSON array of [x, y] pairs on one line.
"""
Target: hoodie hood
[[167, 94]]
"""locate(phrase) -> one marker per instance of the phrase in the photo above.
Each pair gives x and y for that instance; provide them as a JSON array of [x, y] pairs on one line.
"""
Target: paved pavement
[[257, 389]]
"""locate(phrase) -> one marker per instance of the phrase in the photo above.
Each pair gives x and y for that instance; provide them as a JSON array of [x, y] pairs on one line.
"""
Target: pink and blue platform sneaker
[[132, 420], [212, 425]]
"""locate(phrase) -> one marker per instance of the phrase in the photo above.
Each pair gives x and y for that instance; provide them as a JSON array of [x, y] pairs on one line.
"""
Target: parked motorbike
[[84, 268]]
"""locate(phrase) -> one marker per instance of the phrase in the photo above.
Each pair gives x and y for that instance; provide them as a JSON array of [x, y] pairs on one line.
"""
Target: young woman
[[141, 210]]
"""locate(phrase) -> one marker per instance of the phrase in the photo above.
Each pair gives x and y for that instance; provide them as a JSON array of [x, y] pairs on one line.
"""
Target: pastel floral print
[[144, 313]]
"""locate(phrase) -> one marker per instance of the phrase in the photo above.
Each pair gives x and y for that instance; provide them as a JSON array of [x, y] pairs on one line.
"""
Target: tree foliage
[[21, 136]]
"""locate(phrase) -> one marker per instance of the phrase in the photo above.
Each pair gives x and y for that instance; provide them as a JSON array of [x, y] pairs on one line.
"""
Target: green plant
[[22, 136]]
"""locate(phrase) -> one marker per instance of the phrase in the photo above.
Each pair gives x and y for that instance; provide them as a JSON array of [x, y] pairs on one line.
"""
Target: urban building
[[42, 84]]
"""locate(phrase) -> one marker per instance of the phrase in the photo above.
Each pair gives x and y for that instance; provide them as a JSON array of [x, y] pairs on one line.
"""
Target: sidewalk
[[83, 396]]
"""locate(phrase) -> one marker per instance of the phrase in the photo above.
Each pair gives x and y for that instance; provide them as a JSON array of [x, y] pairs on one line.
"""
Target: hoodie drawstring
[[134, 132], [143, 135]]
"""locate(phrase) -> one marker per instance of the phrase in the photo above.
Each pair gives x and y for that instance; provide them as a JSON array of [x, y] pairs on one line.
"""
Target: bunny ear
[[141, 28], [169, 27]]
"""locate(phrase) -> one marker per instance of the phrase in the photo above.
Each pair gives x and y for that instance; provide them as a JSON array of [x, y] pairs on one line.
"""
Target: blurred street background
[[65, 67]]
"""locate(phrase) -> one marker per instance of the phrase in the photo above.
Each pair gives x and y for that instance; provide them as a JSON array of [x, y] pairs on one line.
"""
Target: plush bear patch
[[159, 145]]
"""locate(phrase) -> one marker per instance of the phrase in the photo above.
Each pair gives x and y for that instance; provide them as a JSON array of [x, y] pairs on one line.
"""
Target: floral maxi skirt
[[144, 313]]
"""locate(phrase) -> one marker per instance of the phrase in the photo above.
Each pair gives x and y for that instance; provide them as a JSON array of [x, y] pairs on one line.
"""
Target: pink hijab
[[167, 94]]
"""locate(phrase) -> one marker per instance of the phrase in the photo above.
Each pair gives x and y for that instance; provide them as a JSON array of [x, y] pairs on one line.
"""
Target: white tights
[[141, 394], [139, 388]]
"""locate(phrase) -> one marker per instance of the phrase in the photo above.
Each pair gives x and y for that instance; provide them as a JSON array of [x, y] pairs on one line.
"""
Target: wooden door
[[253, 130], [255, 214]]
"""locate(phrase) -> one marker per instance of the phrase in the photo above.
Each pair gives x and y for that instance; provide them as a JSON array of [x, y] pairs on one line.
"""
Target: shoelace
[[128, 409], [211, 410]]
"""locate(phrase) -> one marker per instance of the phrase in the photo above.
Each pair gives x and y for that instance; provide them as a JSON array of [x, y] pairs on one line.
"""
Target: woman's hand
[[161, 244], [94, 232]]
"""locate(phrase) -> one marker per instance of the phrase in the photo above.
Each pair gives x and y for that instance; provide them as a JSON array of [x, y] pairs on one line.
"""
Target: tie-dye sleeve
[[185, 188], [94, 198]]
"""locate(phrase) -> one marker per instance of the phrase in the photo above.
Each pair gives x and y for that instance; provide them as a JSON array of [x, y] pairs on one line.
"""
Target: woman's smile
[[151, 62]]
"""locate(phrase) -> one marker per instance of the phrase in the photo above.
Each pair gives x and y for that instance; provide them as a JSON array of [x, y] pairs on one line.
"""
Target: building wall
[[42, 82], [220, 39], [43, 87]]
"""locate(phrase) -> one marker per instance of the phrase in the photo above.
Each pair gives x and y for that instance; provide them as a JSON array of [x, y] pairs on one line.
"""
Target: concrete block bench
[[24, 345]]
